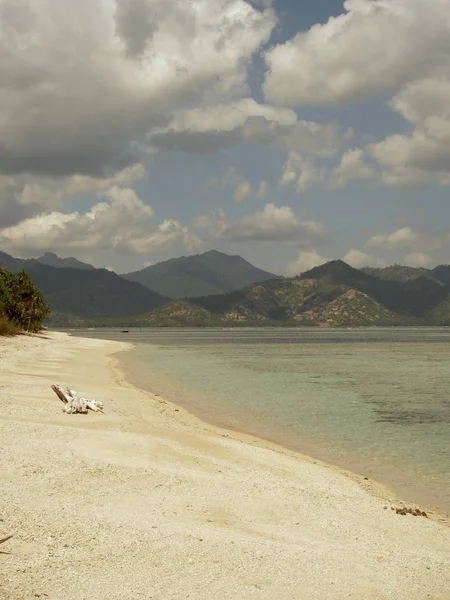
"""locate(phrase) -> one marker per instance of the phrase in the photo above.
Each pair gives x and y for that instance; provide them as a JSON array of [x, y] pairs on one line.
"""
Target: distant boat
[[125, 331]]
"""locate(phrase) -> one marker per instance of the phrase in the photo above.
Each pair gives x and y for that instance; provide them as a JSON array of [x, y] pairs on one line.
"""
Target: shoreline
[[271, 437], [192, 419], [148, 486]]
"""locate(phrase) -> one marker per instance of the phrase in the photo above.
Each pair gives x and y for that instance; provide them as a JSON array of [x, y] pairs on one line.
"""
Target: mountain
[[53, 260], [13, 264], [403, 274], [396, 272], [204, 274], [442, 273], [332, 295], [79, 296], [413, 297]]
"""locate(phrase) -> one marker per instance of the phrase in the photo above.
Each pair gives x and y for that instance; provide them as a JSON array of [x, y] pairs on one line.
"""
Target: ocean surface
[[374, 401]]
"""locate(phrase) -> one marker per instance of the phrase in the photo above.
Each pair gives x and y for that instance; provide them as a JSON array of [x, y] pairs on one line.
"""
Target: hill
[[332, 295], [201, 275], [13, 264], [403, 274], [77, 296], [53, 260], [442, 273]]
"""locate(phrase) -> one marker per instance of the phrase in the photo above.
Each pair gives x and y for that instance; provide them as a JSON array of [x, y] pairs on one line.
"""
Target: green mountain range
[[201, 275], [77, 296], [332, 295], [403, 274]]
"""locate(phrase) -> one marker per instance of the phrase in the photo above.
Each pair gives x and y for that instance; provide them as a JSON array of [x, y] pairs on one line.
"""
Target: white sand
[[146, 502]]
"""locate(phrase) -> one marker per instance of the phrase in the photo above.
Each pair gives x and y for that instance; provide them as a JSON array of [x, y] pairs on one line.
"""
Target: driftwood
[[73, 403]]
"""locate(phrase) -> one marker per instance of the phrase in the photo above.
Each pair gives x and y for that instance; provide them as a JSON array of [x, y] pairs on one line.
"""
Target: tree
[[21, 303]]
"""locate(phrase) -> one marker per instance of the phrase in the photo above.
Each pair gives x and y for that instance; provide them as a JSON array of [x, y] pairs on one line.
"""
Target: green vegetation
[[77, 295], [331, 295], [178, 313], [398, 273], [22, 306], [201, 275]]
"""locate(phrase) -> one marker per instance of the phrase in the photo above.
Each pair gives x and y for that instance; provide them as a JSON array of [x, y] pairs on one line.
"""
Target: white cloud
[[306, 260], [23, 196], [303, 173], [209, 128], [242, 187], [357, 259], [212, 223], [418, 259], [375, 47], [79, 92], [243, 191], [417, 245], [263, 190], [273, 223], [401, 238], [230, 116], [352, 168], [389, 47], [121, 223], [423, 155]]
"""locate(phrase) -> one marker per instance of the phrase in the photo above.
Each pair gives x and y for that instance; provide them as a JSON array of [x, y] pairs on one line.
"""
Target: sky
[[290, 132]]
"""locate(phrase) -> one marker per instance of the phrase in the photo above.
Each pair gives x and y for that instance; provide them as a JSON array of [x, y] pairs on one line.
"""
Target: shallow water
[[375, 401]]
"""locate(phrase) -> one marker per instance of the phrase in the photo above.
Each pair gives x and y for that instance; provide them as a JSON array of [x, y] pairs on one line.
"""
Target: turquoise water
[[375, 401]]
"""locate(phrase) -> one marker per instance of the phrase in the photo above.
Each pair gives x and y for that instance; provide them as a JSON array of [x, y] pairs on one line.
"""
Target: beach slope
[[148, 502]]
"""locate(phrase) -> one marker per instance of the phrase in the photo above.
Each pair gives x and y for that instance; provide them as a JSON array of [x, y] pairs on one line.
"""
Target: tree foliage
[[21, 303]]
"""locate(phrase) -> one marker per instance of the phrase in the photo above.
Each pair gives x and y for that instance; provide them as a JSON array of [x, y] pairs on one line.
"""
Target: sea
[[374, 401]]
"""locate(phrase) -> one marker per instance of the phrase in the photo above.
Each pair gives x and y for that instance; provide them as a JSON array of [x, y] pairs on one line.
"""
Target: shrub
[[8, 328], [22, 306]]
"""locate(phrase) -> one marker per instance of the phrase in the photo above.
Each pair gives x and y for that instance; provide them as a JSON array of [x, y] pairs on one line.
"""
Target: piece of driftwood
[[73, 403]]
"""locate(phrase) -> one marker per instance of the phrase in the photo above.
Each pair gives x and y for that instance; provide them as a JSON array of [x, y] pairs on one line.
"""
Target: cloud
[[242, 187], [121, 223], [80, 94], [23, 196], [210, 128], [376, 47], [417, 245], [418, 259], [272, 224], [303, 173], [357, 258], [398, 48], [244, 191], [401, 238], [423, 155], [306, 260], [352, 167]]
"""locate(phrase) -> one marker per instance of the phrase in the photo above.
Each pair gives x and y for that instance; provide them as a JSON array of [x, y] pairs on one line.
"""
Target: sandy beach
[[146, 501]]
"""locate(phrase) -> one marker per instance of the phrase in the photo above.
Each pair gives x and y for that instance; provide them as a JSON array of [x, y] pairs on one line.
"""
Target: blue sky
[[189, 131]]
